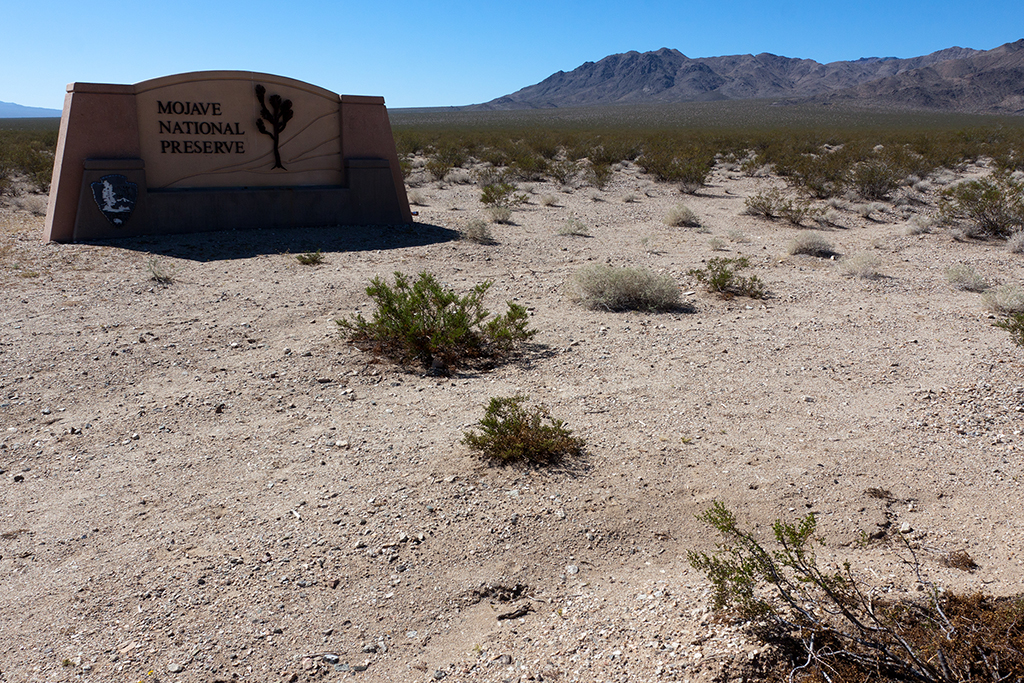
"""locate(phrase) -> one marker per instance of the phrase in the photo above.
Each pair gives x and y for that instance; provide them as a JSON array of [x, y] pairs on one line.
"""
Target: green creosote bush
[[477, 231], [421, 322], [511, 434], [875, 179], [963, 277], [992, 206], [1014, 324], [811, 245], [310, 258], [842, 628], [444, 159], [613, 288], [680, 216], [719, 275], [768, 203]]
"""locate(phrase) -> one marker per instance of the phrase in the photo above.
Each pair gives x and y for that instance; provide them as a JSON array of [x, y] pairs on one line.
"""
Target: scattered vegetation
[[812, 245], [512, 434], [845, 629], [623, 289], [719, 275], [28, 151], [421, 322], [310, 258], [1015, 243]]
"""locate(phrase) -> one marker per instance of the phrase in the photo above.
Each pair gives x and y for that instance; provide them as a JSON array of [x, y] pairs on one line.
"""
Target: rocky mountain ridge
[[956, 79]]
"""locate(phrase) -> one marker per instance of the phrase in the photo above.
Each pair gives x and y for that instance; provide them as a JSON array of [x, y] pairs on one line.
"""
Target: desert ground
[[202, 481]]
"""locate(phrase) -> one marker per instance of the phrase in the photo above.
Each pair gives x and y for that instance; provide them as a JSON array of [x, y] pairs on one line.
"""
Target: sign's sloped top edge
[[199, 76], [255, 77]]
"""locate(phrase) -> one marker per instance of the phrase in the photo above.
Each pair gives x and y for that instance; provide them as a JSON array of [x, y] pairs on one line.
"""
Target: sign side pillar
[[99, 121], [366, 133]]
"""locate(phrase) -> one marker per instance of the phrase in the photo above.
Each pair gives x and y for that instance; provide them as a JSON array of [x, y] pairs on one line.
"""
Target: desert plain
[[202, 481]]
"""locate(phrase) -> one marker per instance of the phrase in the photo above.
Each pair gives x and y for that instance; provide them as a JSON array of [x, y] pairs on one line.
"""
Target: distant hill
[[954, 79], [10, 110]]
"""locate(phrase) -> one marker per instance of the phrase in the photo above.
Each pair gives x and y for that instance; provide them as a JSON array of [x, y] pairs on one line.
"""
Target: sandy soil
[[203, 482]]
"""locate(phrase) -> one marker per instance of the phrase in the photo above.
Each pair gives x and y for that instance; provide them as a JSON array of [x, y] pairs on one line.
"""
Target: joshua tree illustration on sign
[[278, 116]]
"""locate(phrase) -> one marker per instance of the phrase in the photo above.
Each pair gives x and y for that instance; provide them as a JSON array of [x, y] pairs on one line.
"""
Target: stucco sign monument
[[220, 150]]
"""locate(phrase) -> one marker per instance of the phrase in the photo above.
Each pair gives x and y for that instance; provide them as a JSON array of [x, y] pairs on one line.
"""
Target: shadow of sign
[[221, 246]]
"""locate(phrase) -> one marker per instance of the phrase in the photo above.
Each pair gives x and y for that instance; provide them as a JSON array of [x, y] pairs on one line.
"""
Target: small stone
[[46, 411], [331, 659], [905, 528], [360, 667], [438, 675], [572, 569], [560, 514], [175, 668]]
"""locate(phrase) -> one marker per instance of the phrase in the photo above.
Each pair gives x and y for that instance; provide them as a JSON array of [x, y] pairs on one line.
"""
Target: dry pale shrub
[[920, 224], [548, 200], [811, 244], [629, 198], [863, 265], [624, 289], [477, 231], [963, 277], [1015, 243], [573, 227], [738, 236], [500, 214], [867, 210], [680, 216], [416, 198], [717, 244], [1008, 299]]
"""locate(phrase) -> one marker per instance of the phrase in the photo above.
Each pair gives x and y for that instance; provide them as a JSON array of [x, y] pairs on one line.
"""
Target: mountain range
[[954, 79], [10, 110]]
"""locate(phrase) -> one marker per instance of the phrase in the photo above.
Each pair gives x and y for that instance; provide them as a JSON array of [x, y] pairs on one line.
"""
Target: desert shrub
[[719, 275], [993, 206], [1014, 324], [599, 173], [310, 258], [681, 215], [866, 211], [421, 322], [812, 245], [863, 265], [1007, 299], [840, 625], [875, 179], [920, 225], [416, 198], [501, 194], [963, 277], [160, 272], [477, 231], [563, 171], [573, 227], [768, 203], [717, 244], [500, 214], [548, 200], [624, 289], [1015, 242], [511, 434]]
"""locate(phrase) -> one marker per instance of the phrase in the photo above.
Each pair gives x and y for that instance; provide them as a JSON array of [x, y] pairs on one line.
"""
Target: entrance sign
[[220, 150]]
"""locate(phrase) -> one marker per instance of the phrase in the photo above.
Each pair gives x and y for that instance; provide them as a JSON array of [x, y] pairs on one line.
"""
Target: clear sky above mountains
[[420, 54]]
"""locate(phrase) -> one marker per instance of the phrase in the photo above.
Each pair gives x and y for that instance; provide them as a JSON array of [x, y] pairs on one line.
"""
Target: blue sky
[[419, 54]]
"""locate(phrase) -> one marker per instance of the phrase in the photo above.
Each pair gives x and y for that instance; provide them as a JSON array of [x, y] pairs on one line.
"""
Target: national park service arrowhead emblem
[[115, 196]]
